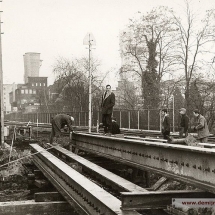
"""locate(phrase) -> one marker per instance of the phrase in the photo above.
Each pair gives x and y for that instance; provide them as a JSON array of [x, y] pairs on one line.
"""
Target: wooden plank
[[38, 174], [41, 183], [158, 184], [176, 211], [146, 139], [34, 208], [207, 145], [48, 197]]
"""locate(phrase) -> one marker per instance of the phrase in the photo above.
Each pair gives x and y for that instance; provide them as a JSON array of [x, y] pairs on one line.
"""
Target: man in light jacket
[[201, 127]]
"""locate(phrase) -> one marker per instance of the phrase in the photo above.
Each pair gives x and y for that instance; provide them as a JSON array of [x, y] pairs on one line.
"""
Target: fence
[[147, 119]]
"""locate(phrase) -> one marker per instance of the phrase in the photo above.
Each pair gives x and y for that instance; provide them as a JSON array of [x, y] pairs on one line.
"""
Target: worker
[[201, 127], [58, 122], [115, 127], [165, 124], [184, 123], [108, 101]]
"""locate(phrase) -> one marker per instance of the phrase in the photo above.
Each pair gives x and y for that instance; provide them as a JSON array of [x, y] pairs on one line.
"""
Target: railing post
[[85, 118], [129, 119], [79, 118], [98, 116], [173, 113], [148, 119], [120, 119], [138, 120]]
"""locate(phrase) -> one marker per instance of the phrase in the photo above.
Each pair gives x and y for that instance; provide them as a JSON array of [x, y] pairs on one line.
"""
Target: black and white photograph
[[107, 107]]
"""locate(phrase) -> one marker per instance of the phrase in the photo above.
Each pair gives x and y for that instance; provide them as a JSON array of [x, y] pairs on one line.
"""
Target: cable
[[26, 157]]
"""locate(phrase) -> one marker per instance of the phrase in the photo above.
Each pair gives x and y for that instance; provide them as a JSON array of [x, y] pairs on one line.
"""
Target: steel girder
[[158, 199], [87, 197], [193, 165]]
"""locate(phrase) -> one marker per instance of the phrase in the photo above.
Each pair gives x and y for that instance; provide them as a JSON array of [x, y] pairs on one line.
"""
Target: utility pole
[[1, 89], [89, 40]]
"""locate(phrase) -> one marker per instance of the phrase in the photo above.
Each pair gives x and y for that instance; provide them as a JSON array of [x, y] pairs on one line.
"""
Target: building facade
[[29, 96], [32, 63], [7, 88]]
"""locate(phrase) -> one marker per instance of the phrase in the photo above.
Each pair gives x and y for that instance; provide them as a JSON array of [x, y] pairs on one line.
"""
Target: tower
[[32, 65]]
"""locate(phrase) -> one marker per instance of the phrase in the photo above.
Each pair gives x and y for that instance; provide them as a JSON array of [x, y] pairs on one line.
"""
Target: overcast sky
[[57, 28]]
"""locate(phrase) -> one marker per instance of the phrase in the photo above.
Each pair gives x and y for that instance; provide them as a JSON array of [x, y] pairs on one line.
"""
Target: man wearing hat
[[184, 123], [201, 127]]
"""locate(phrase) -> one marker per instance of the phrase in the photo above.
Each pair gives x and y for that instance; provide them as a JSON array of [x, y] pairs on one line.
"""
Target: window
[[32, 84], [22, 91], [34, 91], [30, 91], [36, 84], [44, 84], [26, 91], [40, 84]]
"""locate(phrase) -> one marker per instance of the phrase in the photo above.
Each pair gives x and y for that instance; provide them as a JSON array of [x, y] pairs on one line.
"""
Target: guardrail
[[147, 119]]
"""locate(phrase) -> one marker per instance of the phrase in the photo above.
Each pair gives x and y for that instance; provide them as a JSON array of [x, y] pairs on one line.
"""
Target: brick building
[[29, 96]]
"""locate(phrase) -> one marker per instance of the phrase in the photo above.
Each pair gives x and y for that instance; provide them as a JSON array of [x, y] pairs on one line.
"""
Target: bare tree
[[148, 44], [127, 97], [194, 45], [73, 83]]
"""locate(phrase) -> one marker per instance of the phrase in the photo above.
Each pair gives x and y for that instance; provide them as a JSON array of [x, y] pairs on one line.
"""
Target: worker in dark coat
[[165, 124], [115, 127], [184, 123], [58, 122], [108, 101]]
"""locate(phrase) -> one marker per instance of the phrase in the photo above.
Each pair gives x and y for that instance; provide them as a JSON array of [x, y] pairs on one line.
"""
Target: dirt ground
[[13, 177]]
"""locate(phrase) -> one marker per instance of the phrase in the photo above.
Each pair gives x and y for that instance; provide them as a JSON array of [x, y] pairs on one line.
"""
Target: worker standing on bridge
[[58, 122], [184, 123], [108, 101], [165, 124], [201, 127]]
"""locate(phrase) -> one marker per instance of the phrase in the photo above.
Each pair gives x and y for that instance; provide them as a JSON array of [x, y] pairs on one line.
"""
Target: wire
[[14, 161]]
